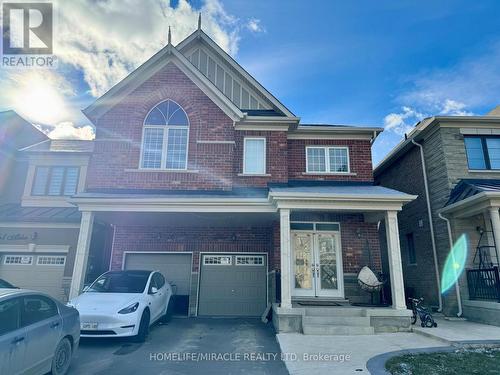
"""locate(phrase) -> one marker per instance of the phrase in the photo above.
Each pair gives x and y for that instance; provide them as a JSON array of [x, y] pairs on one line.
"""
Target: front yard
[[462, 361]]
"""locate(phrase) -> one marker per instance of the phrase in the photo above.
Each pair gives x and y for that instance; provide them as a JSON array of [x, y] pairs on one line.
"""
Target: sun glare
[[38, 99]]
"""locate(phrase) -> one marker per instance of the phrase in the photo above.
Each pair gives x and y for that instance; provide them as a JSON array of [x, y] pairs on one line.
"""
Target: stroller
[[426, 319]]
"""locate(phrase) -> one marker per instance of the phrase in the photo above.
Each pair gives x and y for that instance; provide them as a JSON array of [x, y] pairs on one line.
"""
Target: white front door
[[317, 264]]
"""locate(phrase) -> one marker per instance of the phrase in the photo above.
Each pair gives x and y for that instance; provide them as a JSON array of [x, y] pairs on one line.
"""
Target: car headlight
[[129, 309]]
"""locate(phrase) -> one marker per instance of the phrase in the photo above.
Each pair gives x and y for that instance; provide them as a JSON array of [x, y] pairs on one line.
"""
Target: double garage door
[[41, 272], [229, 284]]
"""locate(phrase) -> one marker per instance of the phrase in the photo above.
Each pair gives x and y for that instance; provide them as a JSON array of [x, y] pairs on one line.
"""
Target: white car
[[123, 303]]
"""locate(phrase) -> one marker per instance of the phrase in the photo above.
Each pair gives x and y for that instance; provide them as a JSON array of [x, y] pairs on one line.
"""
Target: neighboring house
[[458, 158], [38, 226], [207, 177]]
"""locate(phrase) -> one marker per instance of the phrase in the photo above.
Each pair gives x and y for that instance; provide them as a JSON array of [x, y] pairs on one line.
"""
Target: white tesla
[[123, 303]]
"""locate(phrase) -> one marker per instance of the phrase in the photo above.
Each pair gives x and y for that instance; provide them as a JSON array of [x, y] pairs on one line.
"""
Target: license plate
[[89, 325]]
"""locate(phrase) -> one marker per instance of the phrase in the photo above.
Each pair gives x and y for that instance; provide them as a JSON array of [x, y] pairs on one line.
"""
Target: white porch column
[[286, 293], [394, 256], [82, 254], [495, 226]]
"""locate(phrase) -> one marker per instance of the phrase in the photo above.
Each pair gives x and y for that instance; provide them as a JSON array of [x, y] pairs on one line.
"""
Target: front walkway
[[461, 332], [447, 336], [359, 349]]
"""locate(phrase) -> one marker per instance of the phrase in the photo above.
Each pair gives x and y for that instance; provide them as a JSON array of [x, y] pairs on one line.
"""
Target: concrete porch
[[340, 320]]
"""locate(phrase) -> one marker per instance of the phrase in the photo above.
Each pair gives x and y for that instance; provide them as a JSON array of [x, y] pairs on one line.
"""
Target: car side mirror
[[154, 290]]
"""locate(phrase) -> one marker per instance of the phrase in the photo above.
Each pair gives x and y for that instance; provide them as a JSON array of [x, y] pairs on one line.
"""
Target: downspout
[[457, 287], [431, 225]]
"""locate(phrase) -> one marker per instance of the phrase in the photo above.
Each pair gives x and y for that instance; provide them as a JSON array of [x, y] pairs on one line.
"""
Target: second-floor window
[[254, 156], [165, 137], [483, 152], [55, 181], [327, 160]]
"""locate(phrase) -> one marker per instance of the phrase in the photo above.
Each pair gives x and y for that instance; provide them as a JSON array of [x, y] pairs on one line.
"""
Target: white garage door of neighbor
[[40, 272], [175, 267]]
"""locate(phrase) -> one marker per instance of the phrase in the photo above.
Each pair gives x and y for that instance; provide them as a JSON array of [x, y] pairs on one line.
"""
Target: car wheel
[[143, 327], [62, 358]]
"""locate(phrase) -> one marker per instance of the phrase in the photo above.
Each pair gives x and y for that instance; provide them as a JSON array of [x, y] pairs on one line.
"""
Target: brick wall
[[119, 135], [195, 240], [359, 157], [115, 161], [406, 176]]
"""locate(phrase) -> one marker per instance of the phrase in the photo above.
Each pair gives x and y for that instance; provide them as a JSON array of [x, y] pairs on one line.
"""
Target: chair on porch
[[367, 279]]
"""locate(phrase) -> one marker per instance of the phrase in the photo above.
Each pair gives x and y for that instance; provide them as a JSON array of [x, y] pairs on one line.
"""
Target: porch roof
[[473, 196], [17, 213], [352, 197]]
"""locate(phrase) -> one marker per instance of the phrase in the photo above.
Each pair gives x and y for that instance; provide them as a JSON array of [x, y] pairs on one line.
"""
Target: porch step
[[336, 330], [358, 321], [335, 311]]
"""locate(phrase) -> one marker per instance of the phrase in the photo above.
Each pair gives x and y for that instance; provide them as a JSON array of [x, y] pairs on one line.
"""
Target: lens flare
[[455, 264]]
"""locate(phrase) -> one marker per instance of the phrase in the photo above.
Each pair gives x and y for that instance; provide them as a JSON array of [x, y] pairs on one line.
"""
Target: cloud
[[402, 122], [473, 82], [68, 130], [106, 40], [255, 26]]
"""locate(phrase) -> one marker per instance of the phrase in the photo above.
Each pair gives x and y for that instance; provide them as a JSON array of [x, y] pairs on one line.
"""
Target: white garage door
[[41, 272], [175, 267]]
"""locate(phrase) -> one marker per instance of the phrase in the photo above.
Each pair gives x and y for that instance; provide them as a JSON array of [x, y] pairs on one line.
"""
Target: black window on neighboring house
[[483, 152], [410, 242], [55, 181]]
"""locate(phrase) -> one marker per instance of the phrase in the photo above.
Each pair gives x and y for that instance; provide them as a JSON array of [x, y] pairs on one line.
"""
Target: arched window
[[165, 137]]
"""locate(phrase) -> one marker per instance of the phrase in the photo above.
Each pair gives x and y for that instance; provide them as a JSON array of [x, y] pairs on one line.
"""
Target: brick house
[[38, 226], [450, 163], [199, 172]]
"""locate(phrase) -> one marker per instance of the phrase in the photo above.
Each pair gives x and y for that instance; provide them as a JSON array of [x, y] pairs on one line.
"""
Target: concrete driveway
[[187, 346]]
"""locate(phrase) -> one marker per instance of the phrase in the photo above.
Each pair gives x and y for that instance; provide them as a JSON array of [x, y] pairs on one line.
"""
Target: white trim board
[[33, 248], [40, 225]]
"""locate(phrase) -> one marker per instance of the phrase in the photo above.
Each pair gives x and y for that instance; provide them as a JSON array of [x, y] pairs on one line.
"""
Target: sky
[[365, 63]]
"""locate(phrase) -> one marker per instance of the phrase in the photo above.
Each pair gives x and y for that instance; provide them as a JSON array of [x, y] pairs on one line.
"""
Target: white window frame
[[261, 257], [51, 256], [166, 130], [244, 155], [327, 159], [15, 256], [205, 257]]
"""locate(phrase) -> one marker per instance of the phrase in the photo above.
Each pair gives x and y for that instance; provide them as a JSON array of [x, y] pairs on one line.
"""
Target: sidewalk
[[359, 349], [460, 332], [448, 334]]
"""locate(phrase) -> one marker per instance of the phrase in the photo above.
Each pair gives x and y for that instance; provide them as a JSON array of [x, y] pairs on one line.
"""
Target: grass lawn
[[462, 361]]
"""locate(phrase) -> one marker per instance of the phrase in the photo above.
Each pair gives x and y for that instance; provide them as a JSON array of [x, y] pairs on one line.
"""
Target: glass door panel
[[327, 262], [302, 253]]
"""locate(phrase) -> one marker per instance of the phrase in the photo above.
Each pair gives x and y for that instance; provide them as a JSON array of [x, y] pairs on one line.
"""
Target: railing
[[484, 284]]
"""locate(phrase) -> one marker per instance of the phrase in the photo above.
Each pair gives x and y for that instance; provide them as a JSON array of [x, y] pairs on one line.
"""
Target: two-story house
[[206, 176], [38, 226], [452, 164]]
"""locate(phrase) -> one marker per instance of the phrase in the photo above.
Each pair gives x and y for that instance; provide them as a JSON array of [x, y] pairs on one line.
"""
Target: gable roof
[[16, 132], [200, 35], [169, 54]]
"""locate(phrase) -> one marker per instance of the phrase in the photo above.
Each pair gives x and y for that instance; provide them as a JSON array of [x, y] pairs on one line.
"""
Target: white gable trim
[[201, 35], [151, 67]]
